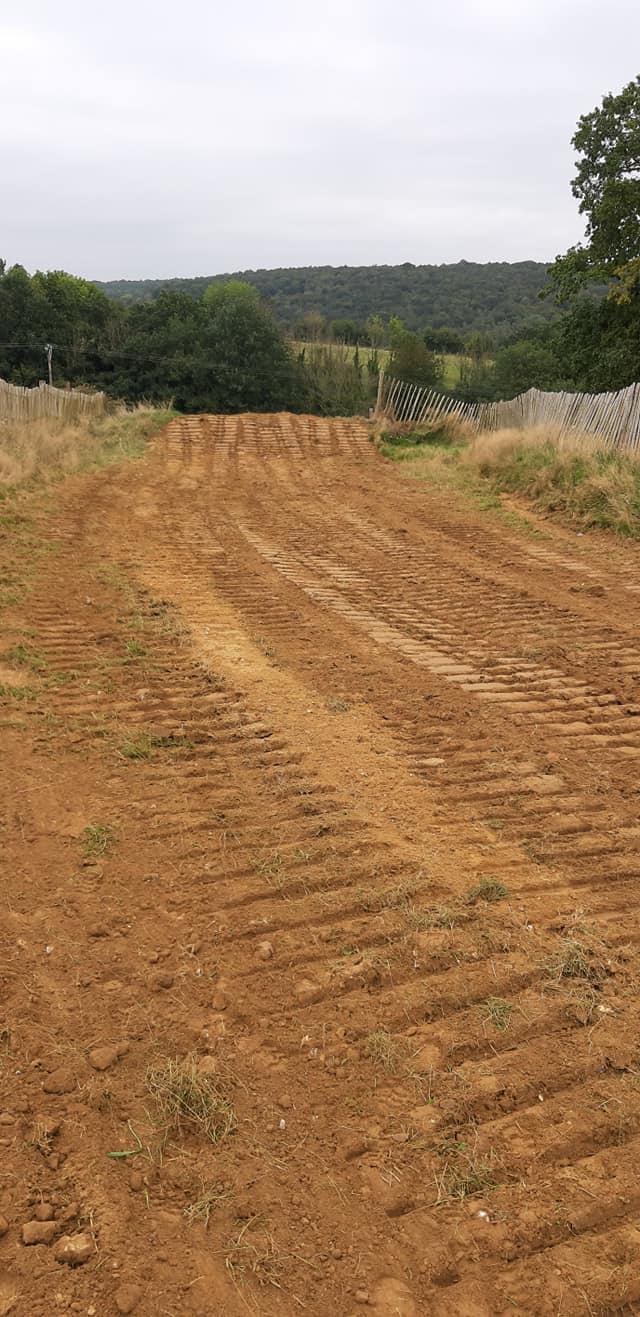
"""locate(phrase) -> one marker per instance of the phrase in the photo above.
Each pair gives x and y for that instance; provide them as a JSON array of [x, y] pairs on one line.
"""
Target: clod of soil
[[74, 1250], [62, 1080], [101, 1058], [38, 1232], [127, 1297]]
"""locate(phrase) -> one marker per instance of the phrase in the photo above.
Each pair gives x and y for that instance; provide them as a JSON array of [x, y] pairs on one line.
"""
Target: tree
[[443, 340], [599, 340], [375, 330], [411, 359], [347, 331], [607, 187], [479, 345], [234, 292], [311, 328], [57, 308], [524, 365], [221, 353], [599, 344]]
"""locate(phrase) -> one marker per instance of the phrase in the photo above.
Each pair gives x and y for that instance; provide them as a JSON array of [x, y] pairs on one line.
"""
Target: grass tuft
[[465, 1173], [252, 1251], [17, 692], [97, 838], [498, 1013], [134, 650], [143, 744], [435, 917], [202, 1208], [487, 889], [189, 1100], [25, 656], [382, 1049], [574, 960]]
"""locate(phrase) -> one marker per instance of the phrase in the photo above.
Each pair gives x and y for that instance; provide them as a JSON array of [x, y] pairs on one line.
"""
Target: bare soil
[[325, 786]]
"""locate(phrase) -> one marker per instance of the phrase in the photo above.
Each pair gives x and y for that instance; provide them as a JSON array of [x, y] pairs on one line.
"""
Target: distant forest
[[497, 298]]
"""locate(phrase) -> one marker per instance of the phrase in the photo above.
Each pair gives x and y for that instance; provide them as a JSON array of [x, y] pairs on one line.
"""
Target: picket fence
[[613, 417], [18, 404]]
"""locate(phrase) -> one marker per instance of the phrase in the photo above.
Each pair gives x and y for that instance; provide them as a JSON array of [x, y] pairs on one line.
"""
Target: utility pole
[[48, 347]]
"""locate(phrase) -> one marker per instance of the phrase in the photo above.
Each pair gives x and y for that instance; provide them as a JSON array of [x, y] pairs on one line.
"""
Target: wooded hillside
[[498, 297]]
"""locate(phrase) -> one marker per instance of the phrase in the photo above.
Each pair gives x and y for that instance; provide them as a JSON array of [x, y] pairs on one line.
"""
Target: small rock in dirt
[[38, 1232], [308, 992], [127, 1297], [286, 1102], [162, 980], [44, 1212], [61, 1080], [264, 950], [103, 1057], [4, 1226], [74, 1249], [6, 1118], [219, 1000], [98, 930], [362, 1296], [135, 1181], [208, 1065], [356, 1148]]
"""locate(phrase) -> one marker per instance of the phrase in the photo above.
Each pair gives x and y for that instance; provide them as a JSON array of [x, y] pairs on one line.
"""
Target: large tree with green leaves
[[57, 308], [607, 187], [221, 353]]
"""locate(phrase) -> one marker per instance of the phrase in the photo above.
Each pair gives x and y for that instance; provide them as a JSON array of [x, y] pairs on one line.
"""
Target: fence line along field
[[612, 417], [320, 935], [23, 404]]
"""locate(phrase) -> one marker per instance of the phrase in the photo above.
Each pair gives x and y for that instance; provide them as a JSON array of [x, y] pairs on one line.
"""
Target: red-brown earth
[[321, 788]]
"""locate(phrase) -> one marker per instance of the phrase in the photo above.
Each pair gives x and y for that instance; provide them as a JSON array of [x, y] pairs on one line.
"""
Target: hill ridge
[[497, 296]]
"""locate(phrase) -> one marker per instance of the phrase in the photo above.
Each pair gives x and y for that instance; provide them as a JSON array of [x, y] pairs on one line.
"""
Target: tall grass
[[575, 475], [398, 438], [340, 383], [595, 486], [48, 449]]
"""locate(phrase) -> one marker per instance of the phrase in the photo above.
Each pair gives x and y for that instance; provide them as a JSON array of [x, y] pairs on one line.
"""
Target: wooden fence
[[18, 404], [614, 418]]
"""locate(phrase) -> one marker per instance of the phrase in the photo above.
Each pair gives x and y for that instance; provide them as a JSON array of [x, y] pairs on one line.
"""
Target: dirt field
[[323, 789]]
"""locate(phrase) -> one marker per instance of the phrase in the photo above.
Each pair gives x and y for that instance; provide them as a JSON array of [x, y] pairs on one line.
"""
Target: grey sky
[[144, 138]]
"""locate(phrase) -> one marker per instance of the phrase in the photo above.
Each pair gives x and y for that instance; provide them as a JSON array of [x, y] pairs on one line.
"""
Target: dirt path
[[329, 784]]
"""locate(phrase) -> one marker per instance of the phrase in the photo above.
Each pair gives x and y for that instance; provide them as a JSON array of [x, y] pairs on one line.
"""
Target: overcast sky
[[143, 138]]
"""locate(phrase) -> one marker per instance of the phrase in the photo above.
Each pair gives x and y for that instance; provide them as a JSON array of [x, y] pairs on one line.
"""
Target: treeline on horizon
[[225, 351], [497, 297]]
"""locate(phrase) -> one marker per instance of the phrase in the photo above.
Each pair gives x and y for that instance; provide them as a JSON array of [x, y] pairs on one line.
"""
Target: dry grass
[[49, 449], [382, 1049], [210, 1199], [465, 1173], [446, 432], [190, 1100], [487, 889], [252, 1252], [570, 473], [573, 959]]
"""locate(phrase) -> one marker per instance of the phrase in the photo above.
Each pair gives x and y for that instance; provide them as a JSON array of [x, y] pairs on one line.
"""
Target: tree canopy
[[498, 297], [607, 187]]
